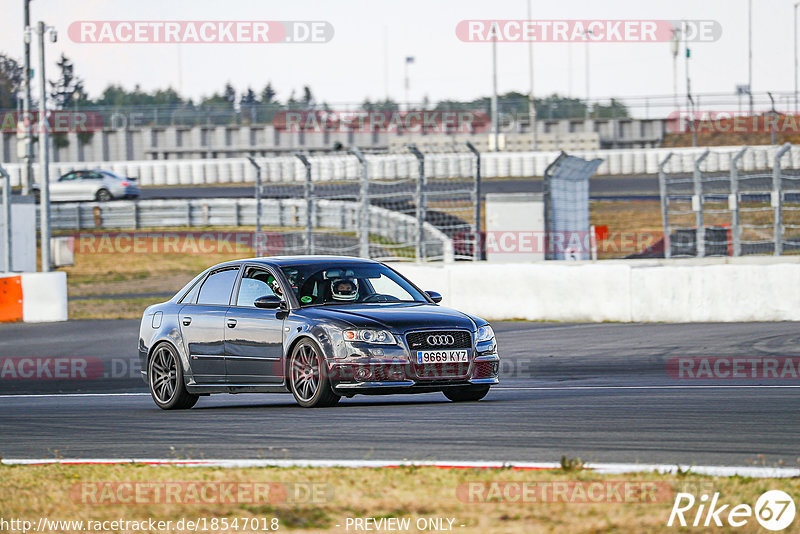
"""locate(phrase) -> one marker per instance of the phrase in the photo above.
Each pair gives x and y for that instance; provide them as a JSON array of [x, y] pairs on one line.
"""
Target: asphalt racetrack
[[600, 187], [600, 392]]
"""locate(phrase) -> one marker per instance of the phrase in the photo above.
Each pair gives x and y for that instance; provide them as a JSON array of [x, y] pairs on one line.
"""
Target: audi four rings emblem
[[441, 340]]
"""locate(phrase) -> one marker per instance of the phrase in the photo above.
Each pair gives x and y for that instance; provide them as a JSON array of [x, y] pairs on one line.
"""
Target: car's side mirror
[[268, 302], [435, 297]]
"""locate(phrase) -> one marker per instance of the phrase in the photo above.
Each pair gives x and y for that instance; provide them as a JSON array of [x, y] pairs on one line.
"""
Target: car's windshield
[[316, 285]]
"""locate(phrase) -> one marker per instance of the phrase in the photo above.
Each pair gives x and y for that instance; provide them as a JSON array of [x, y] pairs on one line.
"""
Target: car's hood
[[396, 317]]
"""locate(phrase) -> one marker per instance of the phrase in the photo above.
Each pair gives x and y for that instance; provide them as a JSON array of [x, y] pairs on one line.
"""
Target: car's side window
[[68, 177], [191, 296], [93, 176], [255, 283], [216, 290]]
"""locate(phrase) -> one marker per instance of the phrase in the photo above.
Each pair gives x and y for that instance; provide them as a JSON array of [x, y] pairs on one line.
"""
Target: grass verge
[[319, 499]]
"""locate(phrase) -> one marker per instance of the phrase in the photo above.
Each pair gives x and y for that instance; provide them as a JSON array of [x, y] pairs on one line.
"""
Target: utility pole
[[44, 148], [588, 73], [689, 100], [27, 170], [795, 56], [675, 48], [495, 117], [531, 102], [750, 52]]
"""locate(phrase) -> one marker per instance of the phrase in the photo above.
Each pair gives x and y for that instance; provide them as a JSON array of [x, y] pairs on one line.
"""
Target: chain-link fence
[[719, 210], [403, 207]]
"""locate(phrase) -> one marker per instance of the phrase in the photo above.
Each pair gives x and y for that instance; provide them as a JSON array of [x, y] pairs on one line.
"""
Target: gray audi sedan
[[320, 327]]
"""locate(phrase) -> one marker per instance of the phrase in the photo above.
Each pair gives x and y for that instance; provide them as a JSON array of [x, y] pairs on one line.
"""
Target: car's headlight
[[485, 333], [367, 335]]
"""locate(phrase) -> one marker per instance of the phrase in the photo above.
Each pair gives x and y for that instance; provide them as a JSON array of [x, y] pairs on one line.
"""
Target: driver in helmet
[[345, 289], [274, 285]]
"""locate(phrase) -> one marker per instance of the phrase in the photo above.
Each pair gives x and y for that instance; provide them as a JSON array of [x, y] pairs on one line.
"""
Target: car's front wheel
[[165, 377], [466, 394], [307, 377]]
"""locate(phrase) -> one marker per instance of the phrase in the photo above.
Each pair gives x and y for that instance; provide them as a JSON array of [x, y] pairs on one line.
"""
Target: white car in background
[[98, 185]]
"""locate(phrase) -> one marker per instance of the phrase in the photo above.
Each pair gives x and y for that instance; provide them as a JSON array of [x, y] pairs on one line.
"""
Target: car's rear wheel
[[307, 379], [165, 377], [466, 394], [103, 195]]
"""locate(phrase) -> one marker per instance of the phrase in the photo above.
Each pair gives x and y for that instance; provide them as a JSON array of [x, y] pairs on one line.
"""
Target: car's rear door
[[91, 183], [202, 324], [254, 336]]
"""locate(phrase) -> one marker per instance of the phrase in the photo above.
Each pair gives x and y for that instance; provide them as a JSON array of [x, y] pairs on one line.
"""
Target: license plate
[[441, 356]]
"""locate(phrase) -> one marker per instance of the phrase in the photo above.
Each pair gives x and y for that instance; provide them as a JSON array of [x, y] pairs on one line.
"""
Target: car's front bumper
[[394, 372]]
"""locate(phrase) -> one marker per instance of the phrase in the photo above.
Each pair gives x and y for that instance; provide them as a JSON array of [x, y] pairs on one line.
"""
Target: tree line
[[68, 91]]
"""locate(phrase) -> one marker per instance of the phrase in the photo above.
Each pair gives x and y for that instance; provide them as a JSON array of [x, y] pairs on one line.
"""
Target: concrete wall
[[129, 138], [707, 290]]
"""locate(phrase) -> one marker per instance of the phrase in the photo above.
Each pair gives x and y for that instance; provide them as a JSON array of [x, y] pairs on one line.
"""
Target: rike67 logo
[[774, 510]]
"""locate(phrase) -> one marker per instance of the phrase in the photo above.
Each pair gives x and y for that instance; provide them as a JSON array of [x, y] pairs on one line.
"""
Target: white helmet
[[344, 289]]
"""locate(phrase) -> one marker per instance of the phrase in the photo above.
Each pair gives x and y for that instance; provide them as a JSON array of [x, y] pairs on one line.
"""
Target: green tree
[[11, 77], [268, 94], [67, 91]]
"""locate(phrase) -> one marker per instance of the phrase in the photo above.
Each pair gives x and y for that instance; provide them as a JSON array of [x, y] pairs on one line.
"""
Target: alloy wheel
[[305, 373], [163, 375]]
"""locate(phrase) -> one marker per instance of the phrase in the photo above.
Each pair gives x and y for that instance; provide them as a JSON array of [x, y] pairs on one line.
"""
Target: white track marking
[[33, 395], [739, 386], [601, 468]]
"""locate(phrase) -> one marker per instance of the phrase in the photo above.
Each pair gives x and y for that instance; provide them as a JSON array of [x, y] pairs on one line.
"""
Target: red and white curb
[[600, 468]]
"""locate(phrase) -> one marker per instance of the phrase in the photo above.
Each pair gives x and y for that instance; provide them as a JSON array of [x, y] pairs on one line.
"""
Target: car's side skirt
[[236, 388]]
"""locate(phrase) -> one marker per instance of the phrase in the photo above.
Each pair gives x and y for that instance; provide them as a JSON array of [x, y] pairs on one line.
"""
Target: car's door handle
[[231, 323], [187, 321]]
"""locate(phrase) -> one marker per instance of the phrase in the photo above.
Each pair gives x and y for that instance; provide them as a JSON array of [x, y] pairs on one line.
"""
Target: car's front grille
[[461, 339], [439, 340]]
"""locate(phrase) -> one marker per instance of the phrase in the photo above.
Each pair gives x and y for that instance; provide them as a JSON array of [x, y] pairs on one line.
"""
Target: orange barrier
[[11, 299]]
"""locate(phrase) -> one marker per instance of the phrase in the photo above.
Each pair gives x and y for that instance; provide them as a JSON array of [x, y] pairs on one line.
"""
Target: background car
[[320, 327], [97, 184]]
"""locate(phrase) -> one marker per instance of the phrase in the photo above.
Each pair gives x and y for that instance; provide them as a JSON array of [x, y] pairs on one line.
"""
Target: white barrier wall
[[44, 297], [711, 290], [626, 162]]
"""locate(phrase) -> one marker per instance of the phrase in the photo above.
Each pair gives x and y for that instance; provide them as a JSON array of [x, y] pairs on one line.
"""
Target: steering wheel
[[380, 297]]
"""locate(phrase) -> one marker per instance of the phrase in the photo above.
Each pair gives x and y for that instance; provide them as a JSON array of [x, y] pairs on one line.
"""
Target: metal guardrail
[[282, 215]]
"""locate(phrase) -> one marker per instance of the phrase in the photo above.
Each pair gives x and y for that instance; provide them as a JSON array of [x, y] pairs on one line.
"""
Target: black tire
[[466, 394], [308, 381], [103, 195], [165, 380]]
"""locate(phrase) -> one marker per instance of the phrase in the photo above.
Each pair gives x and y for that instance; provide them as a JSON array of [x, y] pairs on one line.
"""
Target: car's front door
[[68, 187], [202, 324], [254, 336]]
